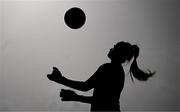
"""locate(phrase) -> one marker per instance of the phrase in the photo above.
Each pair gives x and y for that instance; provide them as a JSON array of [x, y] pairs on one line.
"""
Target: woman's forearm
[[82, 86], [84, 99]]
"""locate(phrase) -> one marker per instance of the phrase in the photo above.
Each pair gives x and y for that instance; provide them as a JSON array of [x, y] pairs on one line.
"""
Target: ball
[[75, 18]]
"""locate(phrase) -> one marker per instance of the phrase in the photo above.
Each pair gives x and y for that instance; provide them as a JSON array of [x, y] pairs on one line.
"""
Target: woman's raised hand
[[55, 75]]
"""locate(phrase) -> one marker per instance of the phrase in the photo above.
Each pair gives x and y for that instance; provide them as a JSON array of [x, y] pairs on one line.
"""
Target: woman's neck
[[116, 63]]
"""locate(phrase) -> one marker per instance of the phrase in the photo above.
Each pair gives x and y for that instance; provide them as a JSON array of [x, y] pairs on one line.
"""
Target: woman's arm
[[57, 77], [79, 85], [84, 99], [68, 95]]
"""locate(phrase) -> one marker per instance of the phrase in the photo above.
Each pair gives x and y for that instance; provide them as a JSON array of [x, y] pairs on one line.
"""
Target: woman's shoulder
[[110, 66]]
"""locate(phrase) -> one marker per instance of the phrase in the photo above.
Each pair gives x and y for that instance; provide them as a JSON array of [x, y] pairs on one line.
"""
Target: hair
[[132, 52], [135, 70]]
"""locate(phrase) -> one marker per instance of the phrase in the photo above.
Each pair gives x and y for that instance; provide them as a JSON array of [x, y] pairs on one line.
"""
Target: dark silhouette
[[107, 81], [75, 18]]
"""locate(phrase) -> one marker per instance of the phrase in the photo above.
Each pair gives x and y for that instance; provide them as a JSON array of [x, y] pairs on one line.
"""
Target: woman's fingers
[[49, 76], [65, 99], [67, 95], [55, 69]]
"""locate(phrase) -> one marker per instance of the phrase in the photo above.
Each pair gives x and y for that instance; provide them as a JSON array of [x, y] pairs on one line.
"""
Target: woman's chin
[[109, 57]]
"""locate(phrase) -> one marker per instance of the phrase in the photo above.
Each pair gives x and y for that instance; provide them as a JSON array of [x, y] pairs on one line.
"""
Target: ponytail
[[134, 69]]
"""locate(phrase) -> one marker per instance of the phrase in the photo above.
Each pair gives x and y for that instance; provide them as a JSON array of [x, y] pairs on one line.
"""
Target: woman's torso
[[108, 87]]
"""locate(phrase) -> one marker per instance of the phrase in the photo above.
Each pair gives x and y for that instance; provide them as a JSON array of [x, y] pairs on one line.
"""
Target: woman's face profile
[[110, 54], [113, 53], [117, 53]]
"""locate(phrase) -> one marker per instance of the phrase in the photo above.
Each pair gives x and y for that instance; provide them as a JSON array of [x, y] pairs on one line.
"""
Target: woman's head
[[121, 52], [125, 52]]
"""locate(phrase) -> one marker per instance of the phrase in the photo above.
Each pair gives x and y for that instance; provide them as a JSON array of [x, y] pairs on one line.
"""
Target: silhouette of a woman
[[107, 81]]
